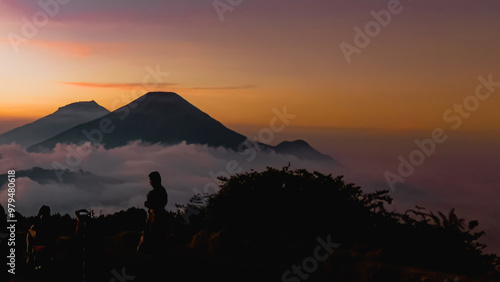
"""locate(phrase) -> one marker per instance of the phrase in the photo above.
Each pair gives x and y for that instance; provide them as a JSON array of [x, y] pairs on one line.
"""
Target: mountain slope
[[157, 117], [168, 119], [302, 150], [63, 119]]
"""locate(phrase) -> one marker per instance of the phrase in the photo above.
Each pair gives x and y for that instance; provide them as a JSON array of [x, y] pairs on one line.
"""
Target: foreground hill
[[275, 225]]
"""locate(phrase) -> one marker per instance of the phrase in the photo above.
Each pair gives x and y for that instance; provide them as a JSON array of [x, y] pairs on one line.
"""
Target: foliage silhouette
[[261, 223], [274, 217]]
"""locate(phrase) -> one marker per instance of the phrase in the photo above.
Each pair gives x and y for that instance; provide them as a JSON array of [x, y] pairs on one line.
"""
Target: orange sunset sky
[[262, 55], [237, 63]]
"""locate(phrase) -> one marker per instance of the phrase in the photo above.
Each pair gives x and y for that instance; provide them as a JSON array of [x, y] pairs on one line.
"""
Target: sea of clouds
[[186, 169], [453, 178]]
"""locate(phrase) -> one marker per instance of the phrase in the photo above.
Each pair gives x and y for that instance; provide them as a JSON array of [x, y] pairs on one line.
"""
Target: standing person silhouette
[[40, 239], [152, 240]]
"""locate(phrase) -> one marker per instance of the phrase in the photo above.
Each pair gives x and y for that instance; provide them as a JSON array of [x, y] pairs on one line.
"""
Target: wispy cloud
[[112, 85], [221, 87]]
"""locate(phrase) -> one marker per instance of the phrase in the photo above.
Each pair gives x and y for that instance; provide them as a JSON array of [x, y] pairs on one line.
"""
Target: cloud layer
[[186, 170], [442, 184]]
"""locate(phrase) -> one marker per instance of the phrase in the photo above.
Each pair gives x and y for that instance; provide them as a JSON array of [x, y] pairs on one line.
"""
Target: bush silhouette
[[261, 223], [275, 215]]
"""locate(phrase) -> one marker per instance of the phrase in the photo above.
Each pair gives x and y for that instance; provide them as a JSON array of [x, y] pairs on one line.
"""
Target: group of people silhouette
[[41, 238]]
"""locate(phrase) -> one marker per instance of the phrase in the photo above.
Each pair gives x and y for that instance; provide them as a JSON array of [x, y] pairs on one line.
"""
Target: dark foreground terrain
[[275, 225]]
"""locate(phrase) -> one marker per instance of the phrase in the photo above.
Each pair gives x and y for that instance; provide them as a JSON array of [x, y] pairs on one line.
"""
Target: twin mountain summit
[[155, 118]]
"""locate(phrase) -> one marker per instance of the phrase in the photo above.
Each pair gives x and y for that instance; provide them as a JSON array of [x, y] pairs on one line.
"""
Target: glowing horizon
[[365, 79], [239, 69]]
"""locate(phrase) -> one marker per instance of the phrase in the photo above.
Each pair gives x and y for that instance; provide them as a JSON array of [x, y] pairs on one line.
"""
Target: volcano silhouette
[[63, 119], [157, 117], [166, 118]]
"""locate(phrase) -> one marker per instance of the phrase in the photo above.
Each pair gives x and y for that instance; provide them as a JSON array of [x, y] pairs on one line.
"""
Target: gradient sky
[[264, 54], [272, 54]]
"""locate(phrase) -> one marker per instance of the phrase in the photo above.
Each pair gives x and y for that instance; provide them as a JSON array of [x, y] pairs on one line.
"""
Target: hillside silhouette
[[260, 225]]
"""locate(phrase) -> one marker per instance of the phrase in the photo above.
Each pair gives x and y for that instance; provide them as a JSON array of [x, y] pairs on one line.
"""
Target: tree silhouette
[[262, 223], [275, 216]]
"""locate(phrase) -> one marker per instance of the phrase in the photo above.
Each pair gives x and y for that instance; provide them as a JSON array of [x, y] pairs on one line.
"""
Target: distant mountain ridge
[[165, 118], [157, 117], [81, 179], [61, 120], [301, 149]]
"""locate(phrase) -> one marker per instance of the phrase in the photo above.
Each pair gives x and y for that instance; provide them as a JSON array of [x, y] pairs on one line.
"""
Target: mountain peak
[[295, 143], [61, 120], [83, 106], [166, 118], [155, 117], [303, 150], [161, 104], [162, 94], [162, 97]]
